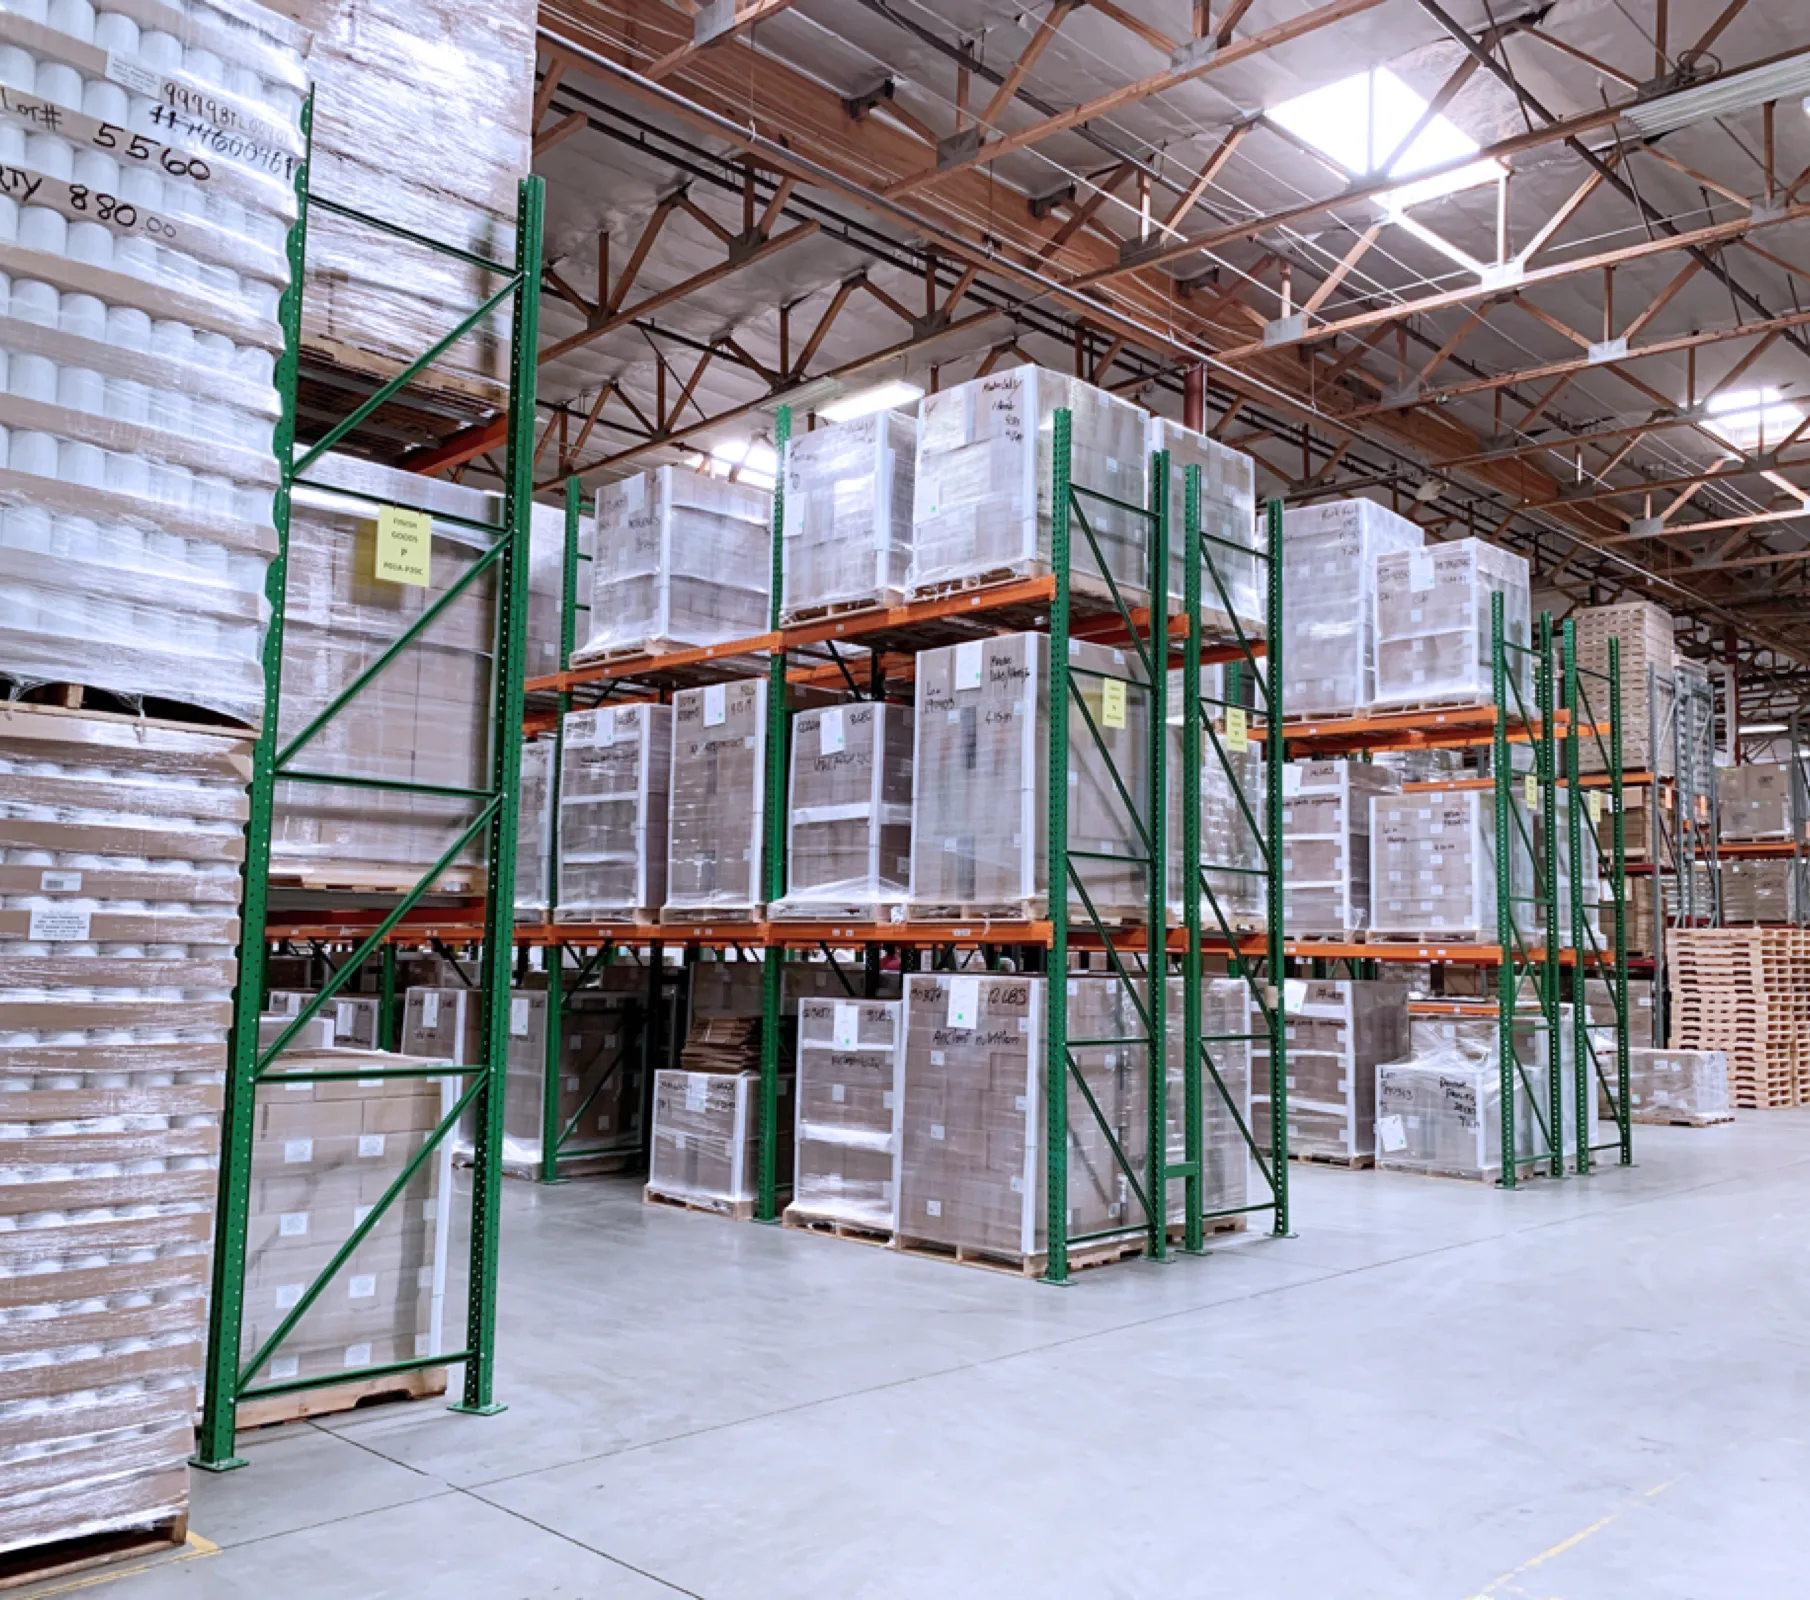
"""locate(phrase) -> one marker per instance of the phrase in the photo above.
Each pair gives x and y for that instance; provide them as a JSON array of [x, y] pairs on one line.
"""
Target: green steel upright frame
[[1526, 968], [1582, 724], [1203, 555], [229, 1377], [773, 843]]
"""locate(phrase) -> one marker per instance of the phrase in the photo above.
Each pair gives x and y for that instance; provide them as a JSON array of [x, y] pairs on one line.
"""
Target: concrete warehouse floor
[[1589, 1390]]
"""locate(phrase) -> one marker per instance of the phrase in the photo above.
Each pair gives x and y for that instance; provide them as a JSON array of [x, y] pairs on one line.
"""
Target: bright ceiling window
[[749, 461], [1749, 418], [1362, 121]]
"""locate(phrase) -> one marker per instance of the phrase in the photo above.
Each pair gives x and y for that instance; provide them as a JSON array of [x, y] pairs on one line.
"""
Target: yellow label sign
[[405, 544], [1238, 731], [1530, 791], [1112, 703], [1596, 806]]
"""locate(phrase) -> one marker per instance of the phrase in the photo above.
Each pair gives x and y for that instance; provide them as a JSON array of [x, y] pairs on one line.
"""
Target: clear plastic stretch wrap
[[614, 794], [978, 821], [546, 584], [1434, 635], [1433, 866], [847, 529], [534, 831], [141, 259], [1440, 1109], [1230, 1178], [1228, 516], [121, 847], [1326, 843], [1755, 800], [1647, 652], [1329, 556], [706, 1139], [682, 560], [984, 481], [1337, 1032], [1760, 892], [1677, 1085], [322, 1154], [851, 1065], [848, 822], [719, 767], [1230, 828], [425, 718], [972, 1175], [353, 1019], [382, 71]]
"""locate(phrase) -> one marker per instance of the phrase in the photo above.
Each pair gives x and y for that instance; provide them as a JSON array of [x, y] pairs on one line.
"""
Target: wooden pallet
[[91, 701], [1035, 909], [359, 878], [835, 1228], [276, 1409], [867, 605], [1671, 1117], [735, 1210], [1325, 1158], [40, 1563]]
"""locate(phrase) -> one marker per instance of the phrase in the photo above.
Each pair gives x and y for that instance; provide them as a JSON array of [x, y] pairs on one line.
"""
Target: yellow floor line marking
[[193, 1549], [1502, 1583]]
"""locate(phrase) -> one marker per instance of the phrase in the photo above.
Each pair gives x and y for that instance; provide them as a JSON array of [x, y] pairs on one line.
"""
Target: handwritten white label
[[964, 1003], [847, 1026], [1390, 1134], [430, 1009], [518, 1016]]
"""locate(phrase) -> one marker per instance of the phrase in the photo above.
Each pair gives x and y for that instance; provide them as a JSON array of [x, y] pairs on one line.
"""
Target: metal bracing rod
[[1649, 213]]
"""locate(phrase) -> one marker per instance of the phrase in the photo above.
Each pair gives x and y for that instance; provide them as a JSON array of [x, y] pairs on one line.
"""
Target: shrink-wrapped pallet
[[534, 831], [1336, 1034], [851, 1058], [979, 809], [1232, 805], [121, 846], [1329, 557], [1762, 891], [1685, 1086], [424, 718], [985, 470], [1326, 851], [847, 525], [682, 560], [848, 817], [719, 765], [144, 273], [354, 1019], [1646, 656], [381, 72], [1434, 628], [1433, 866], [614, 797], [1756, 802], [706, 1140], [1234, 586], [1439, 1110]]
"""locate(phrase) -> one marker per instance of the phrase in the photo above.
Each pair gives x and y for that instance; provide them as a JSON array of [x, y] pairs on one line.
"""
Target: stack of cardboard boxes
[[1337, 1033], [1435, 638], [614, 798], [121, 847], [717, 819], [1647, 657], [848, 815], [847, 529], [1326, 848], [850, 1110]]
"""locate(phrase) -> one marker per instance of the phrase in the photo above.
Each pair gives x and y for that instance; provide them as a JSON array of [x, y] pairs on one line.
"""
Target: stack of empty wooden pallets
[[1645, 634], [1745, 992]]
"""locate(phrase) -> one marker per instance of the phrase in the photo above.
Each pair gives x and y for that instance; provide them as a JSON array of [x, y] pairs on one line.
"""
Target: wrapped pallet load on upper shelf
[[848, 817], [979, 839], [717, 820], [1757, 802], [1326, 846], [533, 831], [423, 719], [847, 524], [136, 474], [1329, 557], [682, 560], [985, 476], [121, 851], [1234, 587], [383, 71], [1646, 659], [614, 796], [1761, 892], [1434, 628]]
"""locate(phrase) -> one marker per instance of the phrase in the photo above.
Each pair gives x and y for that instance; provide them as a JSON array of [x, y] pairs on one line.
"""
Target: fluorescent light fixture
[[864, 402], [1362, 120], [1721, 97], [1764, 727], [1750, 418], [756, 460]]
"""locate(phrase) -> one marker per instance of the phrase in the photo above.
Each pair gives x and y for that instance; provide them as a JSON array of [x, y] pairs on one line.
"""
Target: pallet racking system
[[1054, 604], [229, 1378]]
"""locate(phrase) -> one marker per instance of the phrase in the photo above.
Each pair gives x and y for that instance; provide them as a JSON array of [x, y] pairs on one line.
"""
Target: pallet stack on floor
[[1746, 993]]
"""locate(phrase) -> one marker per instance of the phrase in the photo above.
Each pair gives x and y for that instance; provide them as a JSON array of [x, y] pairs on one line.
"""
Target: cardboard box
[[1336, 1034]]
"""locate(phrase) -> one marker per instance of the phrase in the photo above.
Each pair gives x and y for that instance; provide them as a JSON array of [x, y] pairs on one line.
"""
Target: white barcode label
[[847, 1026], [970, 664], [716, 704], [292, 1225], [298, 1150], [362, 1287], [936, 1130], [832, 736], [838, 1093], [60, 882], [358, 1355], [283, 1367], [964, 1002], [933, 1208], [518, 1016], [370, 1144]]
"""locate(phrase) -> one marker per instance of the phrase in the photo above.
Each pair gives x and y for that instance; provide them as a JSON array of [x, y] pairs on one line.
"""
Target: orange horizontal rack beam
[[1441, 728]]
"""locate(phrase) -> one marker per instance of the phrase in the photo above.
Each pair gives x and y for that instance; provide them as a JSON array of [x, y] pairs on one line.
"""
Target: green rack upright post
[[230, 1377]]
